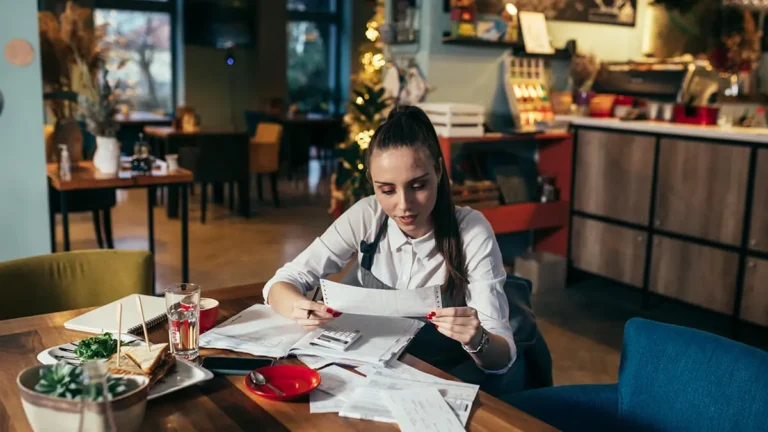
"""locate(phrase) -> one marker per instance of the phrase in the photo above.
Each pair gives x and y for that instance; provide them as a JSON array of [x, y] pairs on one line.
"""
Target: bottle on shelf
[[65, 163]]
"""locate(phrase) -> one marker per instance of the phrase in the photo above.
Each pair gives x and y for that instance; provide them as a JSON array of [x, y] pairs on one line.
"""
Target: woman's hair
[[409, 127]]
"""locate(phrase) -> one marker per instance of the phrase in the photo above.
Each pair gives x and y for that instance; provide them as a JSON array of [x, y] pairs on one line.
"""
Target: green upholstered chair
[[72, 280]]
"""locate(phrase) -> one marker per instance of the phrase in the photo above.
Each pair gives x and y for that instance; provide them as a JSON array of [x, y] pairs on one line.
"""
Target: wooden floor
[[582, 325]]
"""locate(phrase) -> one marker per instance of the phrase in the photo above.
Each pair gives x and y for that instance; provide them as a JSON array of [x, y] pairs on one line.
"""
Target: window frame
[[336, 18]]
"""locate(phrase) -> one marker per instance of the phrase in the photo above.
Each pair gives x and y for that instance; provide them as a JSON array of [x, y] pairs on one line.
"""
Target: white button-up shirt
[[405, 263]]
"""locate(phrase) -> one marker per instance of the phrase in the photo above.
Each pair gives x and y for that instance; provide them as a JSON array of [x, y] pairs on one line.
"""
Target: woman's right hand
[[319, 314]]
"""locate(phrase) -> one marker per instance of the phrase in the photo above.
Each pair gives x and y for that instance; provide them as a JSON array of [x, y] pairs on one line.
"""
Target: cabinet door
[[754, 302], [608, 250], [702, 189], [614, 174], [758, 232], [701, 275]]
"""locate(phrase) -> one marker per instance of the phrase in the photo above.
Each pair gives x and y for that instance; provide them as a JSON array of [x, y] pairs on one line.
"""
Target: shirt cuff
[[512, 354]]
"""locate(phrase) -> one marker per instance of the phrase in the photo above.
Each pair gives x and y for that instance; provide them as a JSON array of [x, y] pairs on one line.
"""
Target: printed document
[[421, 410], [369, 301]]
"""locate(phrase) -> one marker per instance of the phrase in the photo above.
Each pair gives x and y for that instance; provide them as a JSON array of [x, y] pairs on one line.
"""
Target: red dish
[[294, 381]]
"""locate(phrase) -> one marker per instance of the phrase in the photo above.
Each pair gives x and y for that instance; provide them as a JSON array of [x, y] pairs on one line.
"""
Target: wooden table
[[222, 403], [85, 176]]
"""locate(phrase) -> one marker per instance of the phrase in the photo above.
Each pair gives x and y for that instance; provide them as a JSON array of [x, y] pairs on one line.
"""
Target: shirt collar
[[424, 246]]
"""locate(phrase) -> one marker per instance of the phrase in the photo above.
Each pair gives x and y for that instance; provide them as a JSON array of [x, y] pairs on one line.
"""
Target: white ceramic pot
[[106, 159], [48, 413]]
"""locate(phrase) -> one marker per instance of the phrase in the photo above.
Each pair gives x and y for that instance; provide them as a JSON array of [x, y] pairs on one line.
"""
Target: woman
[[410, 235]]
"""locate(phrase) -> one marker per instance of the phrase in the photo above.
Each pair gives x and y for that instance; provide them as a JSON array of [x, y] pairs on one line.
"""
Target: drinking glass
[[182, 303]]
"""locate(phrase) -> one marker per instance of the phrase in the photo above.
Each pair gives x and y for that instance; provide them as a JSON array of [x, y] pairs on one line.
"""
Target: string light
[[359, 100], [360, 166], [372, 32], [363, 139]]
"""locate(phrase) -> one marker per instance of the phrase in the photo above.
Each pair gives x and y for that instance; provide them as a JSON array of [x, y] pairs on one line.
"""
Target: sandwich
[[138, 360]]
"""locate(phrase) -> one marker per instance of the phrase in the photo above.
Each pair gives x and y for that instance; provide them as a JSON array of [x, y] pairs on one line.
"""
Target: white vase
[[106, 159]]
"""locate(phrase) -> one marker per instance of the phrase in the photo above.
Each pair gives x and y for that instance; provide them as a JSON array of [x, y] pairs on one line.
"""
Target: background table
[[85, 176], [222, 403]]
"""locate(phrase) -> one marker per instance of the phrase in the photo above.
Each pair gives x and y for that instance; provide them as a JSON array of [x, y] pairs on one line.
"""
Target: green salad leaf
[[97, 347]]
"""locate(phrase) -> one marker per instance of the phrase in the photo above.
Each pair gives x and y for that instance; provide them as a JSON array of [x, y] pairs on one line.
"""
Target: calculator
[[337, 339]]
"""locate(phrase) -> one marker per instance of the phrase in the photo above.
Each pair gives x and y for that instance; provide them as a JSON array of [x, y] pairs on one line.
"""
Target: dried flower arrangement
[[70, 50], [583, 70], [98, 106]]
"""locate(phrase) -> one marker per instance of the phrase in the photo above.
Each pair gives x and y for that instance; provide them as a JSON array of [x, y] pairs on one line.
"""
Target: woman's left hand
[[458, 323]]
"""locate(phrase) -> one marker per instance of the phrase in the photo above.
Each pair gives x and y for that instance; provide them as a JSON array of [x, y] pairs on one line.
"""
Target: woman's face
[[405, 182]]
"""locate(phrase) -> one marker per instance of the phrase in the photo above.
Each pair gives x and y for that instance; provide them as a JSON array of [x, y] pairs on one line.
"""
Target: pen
[[314, 298]]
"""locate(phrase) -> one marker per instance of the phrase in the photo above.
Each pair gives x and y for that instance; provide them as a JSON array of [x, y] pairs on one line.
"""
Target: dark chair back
[[216, 157], [529, 341]]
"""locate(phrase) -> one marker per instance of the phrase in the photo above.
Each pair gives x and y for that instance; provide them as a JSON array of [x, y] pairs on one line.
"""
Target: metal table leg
[[151, 218], [64, 219], [184, 234]]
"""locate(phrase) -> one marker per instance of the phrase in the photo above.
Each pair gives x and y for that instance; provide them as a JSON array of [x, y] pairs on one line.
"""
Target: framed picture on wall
[[614, 12]]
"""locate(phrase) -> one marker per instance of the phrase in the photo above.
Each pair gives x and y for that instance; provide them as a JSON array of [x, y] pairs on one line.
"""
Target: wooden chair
[[264, 155]]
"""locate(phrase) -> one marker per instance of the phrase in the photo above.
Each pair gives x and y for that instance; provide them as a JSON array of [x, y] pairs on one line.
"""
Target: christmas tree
[[365, 112]]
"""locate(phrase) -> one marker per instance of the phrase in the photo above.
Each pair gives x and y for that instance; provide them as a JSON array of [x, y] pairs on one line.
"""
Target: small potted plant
[[61, 396]]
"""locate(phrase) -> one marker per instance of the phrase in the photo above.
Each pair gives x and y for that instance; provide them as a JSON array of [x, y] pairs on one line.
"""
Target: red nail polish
[[329, 310], [336, 314], [436, 326]]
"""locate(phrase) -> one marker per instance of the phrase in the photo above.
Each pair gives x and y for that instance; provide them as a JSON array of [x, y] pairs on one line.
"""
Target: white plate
[[185, 373]]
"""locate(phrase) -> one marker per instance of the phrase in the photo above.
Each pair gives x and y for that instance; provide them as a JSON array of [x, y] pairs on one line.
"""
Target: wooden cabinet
[[614, 173], [754, 303], [701, 189], [608, 250], [701, 275], [758, 231]]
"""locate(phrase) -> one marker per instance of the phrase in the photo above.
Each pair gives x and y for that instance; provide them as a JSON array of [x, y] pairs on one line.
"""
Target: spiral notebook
[[104, 319]]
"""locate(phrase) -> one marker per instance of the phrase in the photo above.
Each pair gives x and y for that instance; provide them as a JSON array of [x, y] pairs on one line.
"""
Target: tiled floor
[[583, 325]]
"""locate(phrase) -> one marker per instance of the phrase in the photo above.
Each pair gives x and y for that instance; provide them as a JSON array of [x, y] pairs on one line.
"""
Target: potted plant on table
[[65, 397], [99, 106], [67, 44]]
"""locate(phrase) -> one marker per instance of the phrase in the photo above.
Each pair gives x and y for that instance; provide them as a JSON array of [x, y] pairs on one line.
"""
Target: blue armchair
[[671, 378]]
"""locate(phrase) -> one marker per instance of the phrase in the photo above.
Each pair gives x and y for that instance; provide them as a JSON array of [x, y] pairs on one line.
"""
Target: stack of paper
[[336, 388], [259, 330], [367, 404]]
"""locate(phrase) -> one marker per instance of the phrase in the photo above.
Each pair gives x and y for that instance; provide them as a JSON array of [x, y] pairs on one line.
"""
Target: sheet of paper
[[258, 330], [336, 387], [367, 402], [315, 362], [322, 402], [368, 301], [382, 338], [533, 26], [421, 410], [399, 369]]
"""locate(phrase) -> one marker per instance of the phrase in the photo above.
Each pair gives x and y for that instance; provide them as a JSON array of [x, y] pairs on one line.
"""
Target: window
[[314, 58], [140, 41]]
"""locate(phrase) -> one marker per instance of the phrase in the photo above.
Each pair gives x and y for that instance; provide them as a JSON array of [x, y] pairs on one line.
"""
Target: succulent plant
[[61, 380], [66, 381]]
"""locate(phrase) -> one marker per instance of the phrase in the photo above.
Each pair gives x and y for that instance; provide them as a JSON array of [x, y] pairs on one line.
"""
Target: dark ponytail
[[409, 126]]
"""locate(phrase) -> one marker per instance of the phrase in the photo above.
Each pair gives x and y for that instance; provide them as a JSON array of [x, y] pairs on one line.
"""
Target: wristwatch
[[484, 341]]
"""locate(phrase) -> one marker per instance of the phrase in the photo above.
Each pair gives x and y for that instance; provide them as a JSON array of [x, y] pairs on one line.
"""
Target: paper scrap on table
[[315, 362], [368, 301], [366, 403], [421, 410], [336, 388]]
